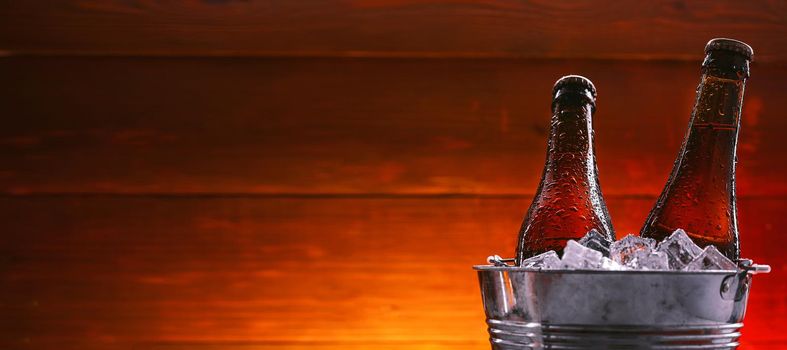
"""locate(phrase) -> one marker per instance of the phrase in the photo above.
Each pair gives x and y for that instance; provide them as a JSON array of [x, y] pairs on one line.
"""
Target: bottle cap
[[733, 45], [575, 81]]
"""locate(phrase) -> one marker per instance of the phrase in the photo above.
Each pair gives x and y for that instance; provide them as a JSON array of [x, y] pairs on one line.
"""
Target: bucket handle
[[498, 261], [735, 287], [750, 267]]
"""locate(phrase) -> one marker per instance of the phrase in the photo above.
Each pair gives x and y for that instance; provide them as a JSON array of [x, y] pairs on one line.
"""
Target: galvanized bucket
[[589, 309]]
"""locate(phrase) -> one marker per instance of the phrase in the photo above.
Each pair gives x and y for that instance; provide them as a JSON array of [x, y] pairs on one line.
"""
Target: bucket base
[[512, 335]]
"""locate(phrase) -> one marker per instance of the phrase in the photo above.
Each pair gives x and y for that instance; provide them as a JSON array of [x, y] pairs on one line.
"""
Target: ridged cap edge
[[574, 80], [730, 45]]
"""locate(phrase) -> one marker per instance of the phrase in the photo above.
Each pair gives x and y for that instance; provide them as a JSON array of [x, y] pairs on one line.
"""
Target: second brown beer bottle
[[700, 194], [568, 202]]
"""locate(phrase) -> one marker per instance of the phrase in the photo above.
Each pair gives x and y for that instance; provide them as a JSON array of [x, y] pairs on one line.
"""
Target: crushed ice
[[594, 252]]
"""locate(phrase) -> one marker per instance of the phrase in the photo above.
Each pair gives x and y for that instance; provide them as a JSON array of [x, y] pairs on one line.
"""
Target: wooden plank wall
[[383, 28], [290, 174]]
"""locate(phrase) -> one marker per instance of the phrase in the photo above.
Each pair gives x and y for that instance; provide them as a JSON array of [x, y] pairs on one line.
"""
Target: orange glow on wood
[[287, 273]]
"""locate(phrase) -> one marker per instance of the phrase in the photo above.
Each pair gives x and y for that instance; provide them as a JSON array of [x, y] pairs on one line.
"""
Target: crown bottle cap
[[725, 44], [574, 81]]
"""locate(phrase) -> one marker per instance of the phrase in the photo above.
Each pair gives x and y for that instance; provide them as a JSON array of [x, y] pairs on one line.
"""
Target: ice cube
[[577, 256], [649, 260], [595, 240], [548, 260], [711, 259], [680, 249], [609, 264], [624, 250]]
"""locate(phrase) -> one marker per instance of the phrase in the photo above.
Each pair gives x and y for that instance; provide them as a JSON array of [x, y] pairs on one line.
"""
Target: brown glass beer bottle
[[568, 202], [699, 196]]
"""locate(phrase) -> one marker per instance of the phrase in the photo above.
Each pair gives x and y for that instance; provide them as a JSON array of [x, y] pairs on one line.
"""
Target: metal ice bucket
[[584, 309]]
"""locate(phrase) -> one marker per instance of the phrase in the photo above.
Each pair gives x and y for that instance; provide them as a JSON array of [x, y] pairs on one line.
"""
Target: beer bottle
[[568, 202], [699, 196]]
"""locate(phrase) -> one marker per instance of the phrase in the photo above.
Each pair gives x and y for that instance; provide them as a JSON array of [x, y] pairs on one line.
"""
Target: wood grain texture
[[310, 198], [123, 273], [350, 126], [668, 29]]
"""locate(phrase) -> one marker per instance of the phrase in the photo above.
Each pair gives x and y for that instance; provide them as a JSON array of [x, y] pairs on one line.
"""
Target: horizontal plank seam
[[376, 55], [240, 195], [380, 195]]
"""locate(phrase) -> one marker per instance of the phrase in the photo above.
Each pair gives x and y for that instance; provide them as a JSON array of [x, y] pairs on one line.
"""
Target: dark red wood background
[[292, 174]]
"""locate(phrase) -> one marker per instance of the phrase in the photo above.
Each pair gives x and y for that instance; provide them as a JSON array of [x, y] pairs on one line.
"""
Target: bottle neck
[[571, 131], [708, 152], [713, 130], [720, 93]]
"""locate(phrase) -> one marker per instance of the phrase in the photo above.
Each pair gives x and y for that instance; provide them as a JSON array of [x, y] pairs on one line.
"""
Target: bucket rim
[[602, 272]]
